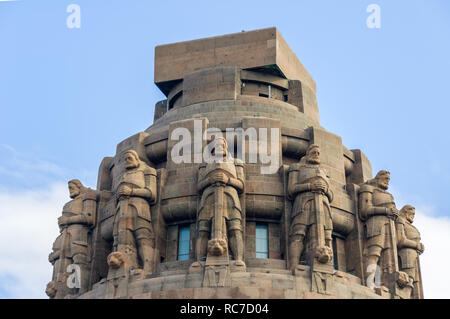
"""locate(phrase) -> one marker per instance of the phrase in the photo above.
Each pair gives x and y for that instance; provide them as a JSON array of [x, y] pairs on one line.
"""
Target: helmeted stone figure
[[72, 247], [133, 231], [311, 213], [377, 209], [220, 213], [409, 248]]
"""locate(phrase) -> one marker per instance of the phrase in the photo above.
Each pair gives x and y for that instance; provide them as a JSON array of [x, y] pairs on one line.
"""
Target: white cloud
[[28, 226], [435, 233]]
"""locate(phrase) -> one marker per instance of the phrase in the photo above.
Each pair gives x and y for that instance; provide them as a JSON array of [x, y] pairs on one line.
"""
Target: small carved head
[[217, 247], [408, 212], [50, 290], [75, 188], [131, 159], [115, 260], [313, 154], [382, 179], [220, 146]]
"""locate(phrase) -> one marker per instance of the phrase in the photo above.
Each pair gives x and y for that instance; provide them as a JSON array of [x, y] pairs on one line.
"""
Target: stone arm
[[404, 242], [238, 182], [141, 192], [87, 217], [149, 191], [294, 187], [53, 256], [203, 182], [366, 207], [329, 193]]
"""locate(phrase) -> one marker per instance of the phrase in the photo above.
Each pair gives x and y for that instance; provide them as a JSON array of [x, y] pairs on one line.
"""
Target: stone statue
[[377, 209], [409, 248], [72, 247], [311, 213], [59, 275], [133, 230], [220, 211]]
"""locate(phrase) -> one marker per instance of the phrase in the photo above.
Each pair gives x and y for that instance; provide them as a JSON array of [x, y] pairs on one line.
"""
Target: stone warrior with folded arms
[[220, 213], [133, 230], [409, 249], [311, 212], [72, 247]]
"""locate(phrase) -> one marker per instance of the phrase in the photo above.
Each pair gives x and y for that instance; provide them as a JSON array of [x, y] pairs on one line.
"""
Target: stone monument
[[409, 249], [274, 206], [71, 249]]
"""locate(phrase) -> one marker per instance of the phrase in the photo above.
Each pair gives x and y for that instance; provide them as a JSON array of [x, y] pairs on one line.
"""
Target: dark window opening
[[334, 260], [174, 100]]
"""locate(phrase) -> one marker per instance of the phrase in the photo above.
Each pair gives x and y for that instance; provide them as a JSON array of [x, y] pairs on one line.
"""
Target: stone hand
[[62, 220], [420, 247], [124, 190], [393, 212], [220, 178], [319, 186]]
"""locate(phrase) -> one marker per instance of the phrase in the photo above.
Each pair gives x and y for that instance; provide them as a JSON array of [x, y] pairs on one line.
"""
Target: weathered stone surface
[[247, 50], [261, 225]]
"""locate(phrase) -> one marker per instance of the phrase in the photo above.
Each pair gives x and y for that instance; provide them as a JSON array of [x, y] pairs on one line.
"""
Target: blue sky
[[68, 96]]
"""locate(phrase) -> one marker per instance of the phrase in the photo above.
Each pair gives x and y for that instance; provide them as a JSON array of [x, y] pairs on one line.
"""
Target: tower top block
[[259, 49]]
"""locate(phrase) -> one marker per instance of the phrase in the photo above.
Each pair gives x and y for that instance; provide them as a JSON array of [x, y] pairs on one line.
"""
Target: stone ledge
[[250, 284]]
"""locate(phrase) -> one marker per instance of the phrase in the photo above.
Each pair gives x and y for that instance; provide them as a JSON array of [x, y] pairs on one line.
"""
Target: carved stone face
[[383, 181], [130, 160], [74, 190], [313, 156], [410, 212], [220, 148]]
